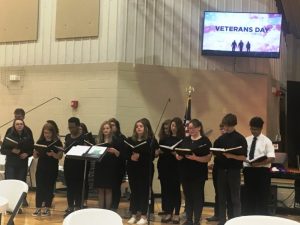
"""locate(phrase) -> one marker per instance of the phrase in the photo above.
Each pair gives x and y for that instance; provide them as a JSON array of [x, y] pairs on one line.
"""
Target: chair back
[[260, 220], [93, 216], [12, 190]]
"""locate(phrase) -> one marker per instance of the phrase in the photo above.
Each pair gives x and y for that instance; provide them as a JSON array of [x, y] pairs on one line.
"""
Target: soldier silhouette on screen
[[241, 45], [233, 45], [248, 46]]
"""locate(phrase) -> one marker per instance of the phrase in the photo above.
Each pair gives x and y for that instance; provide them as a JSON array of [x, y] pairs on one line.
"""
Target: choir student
[[16, 164], [257, 177], [229, 167], [116, 191], [164, 132], [140, 169], [74, 168], [194, 171], [107, 170], [168, 171], [47, 169]]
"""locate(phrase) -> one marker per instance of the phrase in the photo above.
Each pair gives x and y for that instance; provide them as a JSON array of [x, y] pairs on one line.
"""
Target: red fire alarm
[[74, 104]]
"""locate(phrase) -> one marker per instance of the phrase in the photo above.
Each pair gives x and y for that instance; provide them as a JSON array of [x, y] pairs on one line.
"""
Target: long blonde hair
[[101, 137]]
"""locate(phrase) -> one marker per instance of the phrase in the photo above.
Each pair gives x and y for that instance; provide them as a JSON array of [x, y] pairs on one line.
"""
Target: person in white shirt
[[257, 179]]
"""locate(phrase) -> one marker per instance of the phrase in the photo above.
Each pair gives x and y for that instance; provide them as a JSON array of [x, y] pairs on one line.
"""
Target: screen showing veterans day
[[241, 34]]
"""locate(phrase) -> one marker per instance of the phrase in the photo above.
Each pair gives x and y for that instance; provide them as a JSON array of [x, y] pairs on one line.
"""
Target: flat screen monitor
[[241, 34]]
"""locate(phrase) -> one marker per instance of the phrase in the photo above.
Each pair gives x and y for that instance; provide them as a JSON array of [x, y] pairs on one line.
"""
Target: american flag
[[187, 116]]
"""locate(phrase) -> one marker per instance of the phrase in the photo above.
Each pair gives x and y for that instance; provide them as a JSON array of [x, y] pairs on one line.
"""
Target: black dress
[[107, 170]]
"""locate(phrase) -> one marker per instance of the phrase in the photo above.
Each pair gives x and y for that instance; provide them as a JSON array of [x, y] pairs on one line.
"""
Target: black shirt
[[230, 140], [25, 141], [48, 162], [191, 169], [167, 163], [140, 168]]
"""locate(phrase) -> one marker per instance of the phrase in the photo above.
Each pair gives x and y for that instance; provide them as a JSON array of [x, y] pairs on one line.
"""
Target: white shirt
[[264, 146]]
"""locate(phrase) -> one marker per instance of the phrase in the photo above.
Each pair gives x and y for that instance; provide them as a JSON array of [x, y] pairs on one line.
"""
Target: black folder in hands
[[258, 159], [234, 150], [136, 148], [183, 151], [12, 143], [187, 151], [43, 149], [166, 148]]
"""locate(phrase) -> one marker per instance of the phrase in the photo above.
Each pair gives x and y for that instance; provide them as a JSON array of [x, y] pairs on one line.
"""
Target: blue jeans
[[15, 172]]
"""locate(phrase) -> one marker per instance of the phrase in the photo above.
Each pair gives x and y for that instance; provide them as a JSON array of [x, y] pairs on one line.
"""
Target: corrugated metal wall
[[159, 32]]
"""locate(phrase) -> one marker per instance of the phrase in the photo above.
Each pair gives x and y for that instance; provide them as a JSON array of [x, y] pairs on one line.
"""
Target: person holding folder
[[74, 168], [17, 146], [229, 167], [47, 169], [168, 171], [107, 171], [257, 177], [116, 191], [141, 152], [193, 171]]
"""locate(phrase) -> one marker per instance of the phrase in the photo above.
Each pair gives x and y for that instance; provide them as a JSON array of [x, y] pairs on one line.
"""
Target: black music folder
[[188, 151], [43, 149], [258, 159], [233, 150], [12, 143], [136, 148], [166, 148]]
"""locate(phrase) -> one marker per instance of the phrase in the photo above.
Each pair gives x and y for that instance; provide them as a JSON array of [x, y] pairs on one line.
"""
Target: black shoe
[[166, 219], [46, 212], [162, 213], [37, 212], [176, 219], [69, 211], [187, 222], [213, 218]]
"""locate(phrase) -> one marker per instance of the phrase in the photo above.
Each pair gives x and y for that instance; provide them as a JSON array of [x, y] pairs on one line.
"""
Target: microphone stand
[[43, 103], [150, 163]]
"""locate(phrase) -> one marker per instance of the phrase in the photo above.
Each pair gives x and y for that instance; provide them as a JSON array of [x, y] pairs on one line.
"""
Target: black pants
[[170, 195], [45, 181], [228, 201], [194, 199], [74, 192], [229, 183], [116, 190], [139, 194], [257, 190]]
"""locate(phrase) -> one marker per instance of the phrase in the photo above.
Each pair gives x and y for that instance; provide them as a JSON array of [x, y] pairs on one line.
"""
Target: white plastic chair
[[14, 191], [260, 220], [93, 216]]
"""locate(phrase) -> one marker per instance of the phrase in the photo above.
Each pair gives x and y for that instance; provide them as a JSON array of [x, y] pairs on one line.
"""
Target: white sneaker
[[132, 220], [142, 221]]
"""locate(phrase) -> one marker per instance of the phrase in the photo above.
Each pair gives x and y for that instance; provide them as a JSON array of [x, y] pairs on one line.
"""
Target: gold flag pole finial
[[190, 90]]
